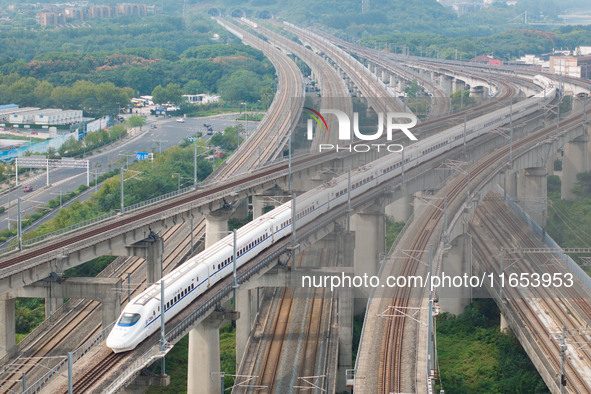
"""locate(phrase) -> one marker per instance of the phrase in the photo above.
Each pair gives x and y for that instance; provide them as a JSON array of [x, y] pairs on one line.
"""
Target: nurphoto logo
[[392, 121]]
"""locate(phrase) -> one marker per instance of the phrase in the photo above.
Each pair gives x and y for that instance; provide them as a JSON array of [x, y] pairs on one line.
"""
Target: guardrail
[[568, 261]]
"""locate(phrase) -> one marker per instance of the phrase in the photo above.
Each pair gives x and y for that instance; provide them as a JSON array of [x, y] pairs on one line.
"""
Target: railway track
[[391, 376], [292, 329], [60, 334], [528, 304]]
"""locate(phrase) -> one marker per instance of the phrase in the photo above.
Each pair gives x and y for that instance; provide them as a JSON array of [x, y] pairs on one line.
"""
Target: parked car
[[28, 188]]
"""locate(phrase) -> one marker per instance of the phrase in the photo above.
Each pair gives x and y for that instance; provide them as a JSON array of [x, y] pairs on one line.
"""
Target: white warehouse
[[50, 116]]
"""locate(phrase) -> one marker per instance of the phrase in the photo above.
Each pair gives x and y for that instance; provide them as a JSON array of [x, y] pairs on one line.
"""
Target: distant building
[[487, 59], [44, 117], [50, 18], [201, 98], [571, 66], [81, 10], [533, 60], [583, 51]]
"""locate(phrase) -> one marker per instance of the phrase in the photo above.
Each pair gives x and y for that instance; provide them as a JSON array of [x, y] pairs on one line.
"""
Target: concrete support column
[[112, 309], [247, 305], [204, 354], [7, 325], [446, 84], [384, 76], [575, 160], [241, 211], [216, 227], [504, 325], [51, 305], [204, 358], [456, 262], [392, 80], [510, 185], [532, 193], [370, 240], [154, 260], [400, 210], [346, 248], [454, 85], [258, 205]]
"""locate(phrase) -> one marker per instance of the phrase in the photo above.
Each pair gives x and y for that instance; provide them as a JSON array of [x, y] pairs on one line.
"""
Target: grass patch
[[474, 357]]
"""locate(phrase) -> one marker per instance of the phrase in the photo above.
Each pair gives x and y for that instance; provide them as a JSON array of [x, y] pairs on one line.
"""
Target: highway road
[[167, 132]]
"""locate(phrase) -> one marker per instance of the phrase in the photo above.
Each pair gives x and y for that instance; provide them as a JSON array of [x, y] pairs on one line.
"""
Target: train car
[[141, 317]]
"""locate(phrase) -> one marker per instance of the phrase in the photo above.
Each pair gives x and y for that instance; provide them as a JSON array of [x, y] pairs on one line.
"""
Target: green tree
[[413, 89], [240, 86], [136, 121]]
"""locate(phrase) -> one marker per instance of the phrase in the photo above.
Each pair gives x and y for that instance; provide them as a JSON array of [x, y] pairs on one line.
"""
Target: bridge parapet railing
[[568, 261], [42, 382]]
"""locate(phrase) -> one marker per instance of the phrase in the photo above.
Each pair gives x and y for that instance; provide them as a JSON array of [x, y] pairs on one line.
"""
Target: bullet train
[[141, 317]]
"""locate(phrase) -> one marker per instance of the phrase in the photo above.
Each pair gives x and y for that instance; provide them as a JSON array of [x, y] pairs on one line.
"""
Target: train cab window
[[128, 319]]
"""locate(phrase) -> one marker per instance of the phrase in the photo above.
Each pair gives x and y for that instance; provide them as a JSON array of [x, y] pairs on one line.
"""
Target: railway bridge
[[132, 232]]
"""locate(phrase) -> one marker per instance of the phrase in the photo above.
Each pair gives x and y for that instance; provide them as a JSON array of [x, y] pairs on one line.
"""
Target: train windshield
[[128, 319]]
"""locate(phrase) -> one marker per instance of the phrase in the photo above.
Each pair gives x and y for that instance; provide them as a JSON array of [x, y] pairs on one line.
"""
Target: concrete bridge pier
[[241, 211], [510, 185], [400, 210], [384, 76], [51, 305], [247, 303], [532, 193], [204, 354], [269, 198], [369, 225], [259, 203], [401, 85], [7, 324], [447, 84], [216, 226], [505, 328], [456, 262], [151, 250], [346, 249], [575, 160]]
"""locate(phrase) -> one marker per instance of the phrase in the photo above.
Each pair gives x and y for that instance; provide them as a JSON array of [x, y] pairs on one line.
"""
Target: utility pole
[[289, 166], [19, 225], [234, 284], [195, 166], [162, 327], [122, 197]]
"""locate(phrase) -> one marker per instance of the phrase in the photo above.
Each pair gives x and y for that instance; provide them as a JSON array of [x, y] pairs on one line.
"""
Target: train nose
[[117, 344]]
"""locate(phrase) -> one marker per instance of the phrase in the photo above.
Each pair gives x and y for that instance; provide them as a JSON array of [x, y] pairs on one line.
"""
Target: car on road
[[180, 120], [28, 188]]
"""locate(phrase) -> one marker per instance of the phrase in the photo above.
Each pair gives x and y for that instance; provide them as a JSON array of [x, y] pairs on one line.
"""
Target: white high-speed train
[[141, 317]]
